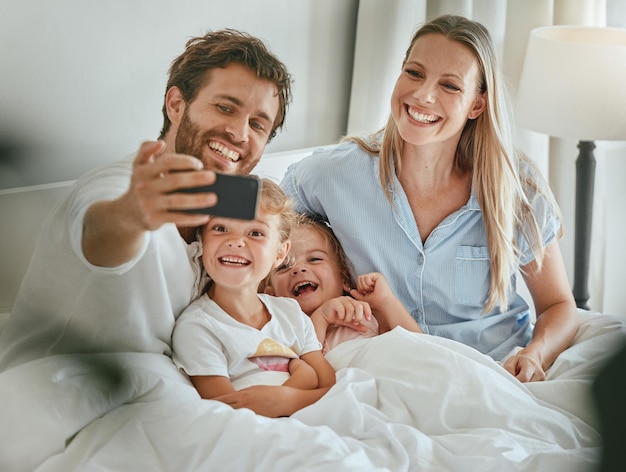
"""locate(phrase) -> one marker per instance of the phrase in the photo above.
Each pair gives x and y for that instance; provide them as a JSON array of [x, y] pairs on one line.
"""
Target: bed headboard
[[22, 210]]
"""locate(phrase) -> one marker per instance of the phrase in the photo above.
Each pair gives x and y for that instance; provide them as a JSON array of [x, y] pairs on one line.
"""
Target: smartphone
[[237, 196]]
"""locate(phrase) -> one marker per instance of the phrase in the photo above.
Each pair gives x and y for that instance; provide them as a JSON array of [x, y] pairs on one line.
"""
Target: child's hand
[[345, 311], [374, 289]]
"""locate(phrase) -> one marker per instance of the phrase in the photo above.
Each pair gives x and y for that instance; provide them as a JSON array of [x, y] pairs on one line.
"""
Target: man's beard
[[191, 140]]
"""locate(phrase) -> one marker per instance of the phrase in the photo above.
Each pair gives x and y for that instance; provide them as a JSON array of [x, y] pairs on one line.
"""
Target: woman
[[443, 205]]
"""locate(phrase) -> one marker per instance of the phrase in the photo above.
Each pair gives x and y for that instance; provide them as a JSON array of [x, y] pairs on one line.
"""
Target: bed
[[402, 401]]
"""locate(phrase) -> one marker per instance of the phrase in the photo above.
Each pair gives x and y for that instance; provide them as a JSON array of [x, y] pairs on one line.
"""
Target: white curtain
[[384, 29]]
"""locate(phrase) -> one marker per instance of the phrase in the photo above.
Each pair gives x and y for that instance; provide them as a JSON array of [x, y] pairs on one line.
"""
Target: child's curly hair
[[323, 228]]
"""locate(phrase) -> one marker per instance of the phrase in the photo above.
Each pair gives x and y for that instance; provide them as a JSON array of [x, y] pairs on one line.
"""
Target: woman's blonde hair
[[486, 149]]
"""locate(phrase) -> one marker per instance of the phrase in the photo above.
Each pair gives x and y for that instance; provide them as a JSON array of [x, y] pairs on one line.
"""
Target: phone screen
[[237, 196]]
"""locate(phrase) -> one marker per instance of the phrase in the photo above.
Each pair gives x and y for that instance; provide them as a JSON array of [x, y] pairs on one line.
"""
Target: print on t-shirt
[[271, 355]]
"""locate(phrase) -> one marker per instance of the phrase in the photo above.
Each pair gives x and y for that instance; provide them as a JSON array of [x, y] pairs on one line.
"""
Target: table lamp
[[573, 85]]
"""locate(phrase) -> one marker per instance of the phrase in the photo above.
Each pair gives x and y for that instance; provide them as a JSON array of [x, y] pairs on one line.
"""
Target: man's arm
[[113, 231]]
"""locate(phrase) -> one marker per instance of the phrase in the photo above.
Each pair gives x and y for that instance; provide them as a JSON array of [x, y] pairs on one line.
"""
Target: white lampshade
[[573, 83]]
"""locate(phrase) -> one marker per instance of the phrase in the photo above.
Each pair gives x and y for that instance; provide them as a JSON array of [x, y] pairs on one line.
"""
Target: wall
[[82, 81], [82, 84]]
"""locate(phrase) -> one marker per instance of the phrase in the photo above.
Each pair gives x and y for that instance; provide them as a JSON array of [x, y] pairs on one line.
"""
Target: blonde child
[[317, 274], [233, 337]]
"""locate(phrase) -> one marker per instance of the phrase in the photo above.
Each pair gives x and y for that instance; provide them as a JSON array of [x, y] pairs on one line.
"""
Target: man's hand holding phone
[[114, 230], [175, 188], [157, 175]]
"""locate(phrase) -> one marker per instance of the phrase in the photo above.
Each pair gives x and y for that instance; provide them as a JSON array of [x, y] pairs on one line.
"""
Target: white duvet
[[402, 401]]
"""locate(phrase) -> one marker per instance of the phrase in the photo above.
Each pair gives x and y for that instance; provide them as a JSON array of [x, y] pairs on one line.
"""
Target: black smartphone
[[237, 196]]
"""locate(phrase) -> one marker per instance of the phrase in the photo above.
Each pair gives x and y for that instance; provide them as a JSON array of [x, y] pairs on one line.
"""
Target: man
[[117, 261]]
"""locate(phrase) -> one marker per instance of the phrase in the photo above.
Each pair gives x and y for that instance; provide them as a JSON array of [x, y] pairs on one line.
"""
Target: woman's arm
[[557, 317]]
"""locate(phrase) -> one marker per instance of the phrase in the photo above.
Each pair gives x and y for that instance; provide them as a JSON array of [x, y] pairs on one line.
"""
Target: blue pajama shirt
[[444, 282]]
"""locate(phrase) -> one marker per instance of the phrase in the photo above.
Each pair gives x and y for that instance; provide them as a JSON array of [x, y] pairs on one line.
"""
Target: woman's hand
[[526, 366], [557, 318]]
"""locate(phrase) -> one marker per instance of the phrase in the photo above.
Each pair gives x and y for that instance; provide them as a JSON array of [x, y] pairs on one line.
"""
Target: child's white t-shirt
[[208, 341]]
